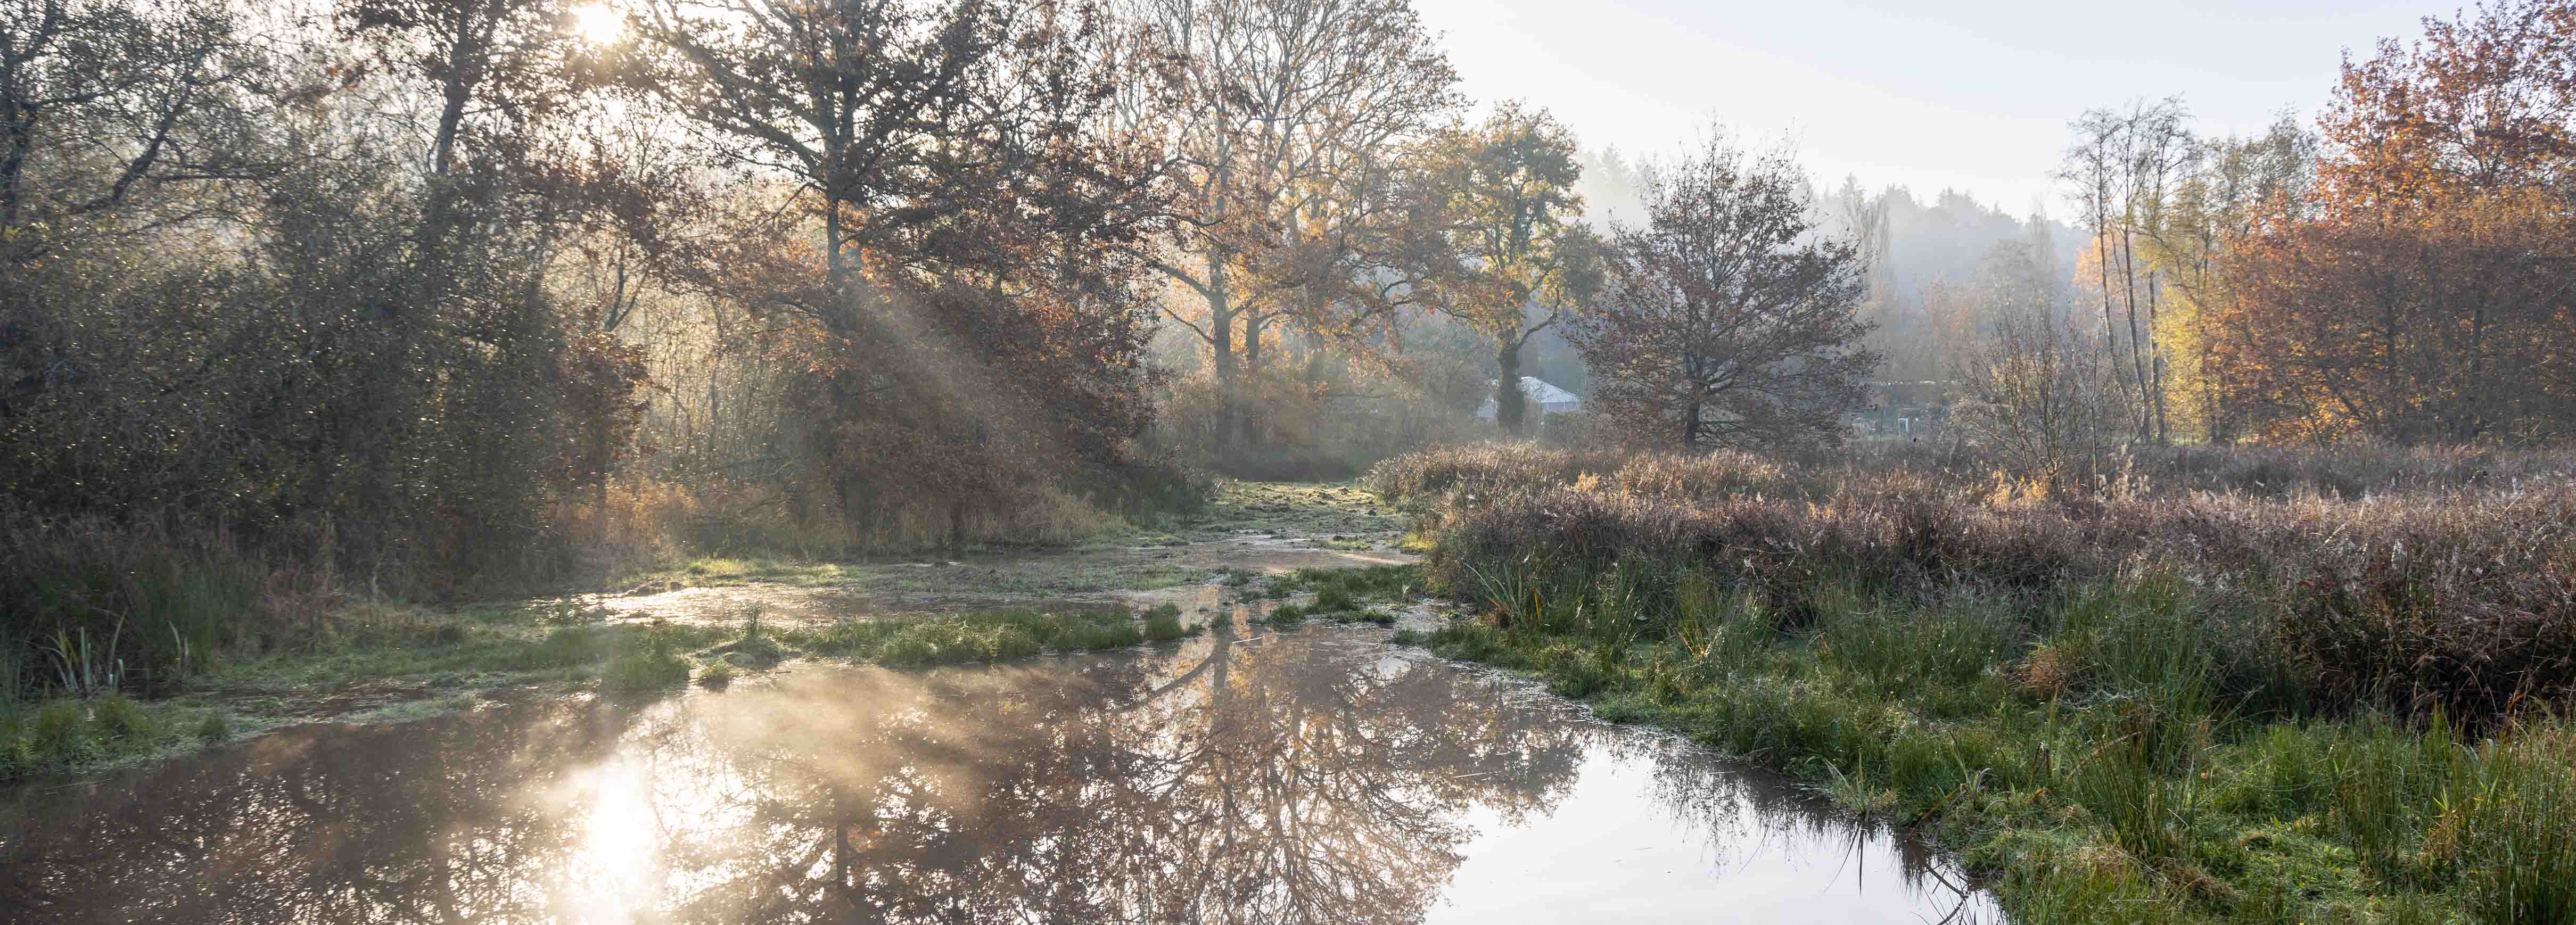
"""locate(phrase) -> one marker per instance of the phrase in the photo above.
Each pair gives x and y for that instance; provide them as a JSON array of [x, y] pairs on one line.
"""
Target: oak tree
[[1728, 320]]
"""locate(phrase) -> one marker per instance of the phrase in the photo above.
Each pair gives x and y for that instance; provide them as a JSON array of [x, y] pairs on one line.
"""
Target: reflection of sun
[[614, 864], [597, 23]]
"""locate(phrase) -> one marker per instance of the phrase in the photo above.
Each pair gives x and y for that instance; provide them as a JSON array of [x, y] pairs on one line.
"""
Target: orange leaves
[[2425, 297], [2480, 105]]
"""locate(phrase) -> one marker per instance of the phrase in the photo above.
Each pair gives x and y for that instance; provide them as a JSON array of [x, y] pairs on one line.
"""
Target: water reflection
[[1313, 777]]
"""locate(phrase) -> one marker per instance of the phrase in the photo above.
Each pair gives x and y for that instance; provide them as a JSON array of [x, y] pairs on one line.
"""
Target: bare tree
[[1728, 320], [2121, 165], [2034, 384]]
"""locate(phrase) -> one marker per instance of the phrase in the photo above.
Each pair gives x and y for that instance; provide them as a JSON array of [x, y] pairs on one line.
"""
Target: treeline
[[2399, 272]]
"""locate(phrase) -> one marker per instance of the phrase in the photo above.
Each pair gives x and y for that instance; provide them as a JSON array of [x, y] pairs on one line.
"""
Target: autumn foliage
[[2428, 293]]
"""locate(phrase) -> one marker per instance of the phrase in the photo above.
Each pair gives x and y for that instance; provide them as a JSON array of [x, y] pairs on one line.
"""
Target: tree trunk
[[1221, 342], [2137, 349], [2156, 355], [1510, 405], [1248, 418], [19, 130]]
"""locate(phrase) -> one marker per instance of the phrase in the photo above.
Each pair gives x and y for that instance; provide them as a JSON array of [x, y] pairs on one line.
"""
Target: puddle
[[1309, 776]]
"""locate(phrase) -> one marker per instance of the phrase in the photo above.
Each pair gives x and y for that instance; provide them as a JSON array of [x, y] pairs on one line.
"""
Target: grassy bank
[[2129, 704]]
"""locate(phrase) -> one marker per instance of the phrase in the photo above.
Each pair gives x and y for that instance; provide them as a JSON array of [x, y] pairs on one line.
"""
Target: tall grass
[[98, 606], [2344, 472], [2461, 600], [2135, 703]]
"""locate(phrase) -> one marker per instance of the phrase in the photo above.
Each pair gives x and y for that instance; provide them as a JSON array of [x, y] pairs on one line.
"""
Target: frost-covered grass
[[2129, 705]]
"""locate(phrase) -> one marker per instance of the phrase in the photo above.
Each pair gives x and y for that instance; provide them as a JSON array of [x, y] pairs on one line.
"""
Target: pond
[[1318, 775]]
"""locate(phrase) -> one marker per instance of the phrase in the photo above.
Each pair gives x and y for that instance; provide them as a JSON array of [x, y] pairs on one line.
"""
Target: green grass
[[1025, 578], [1297, 508], [947, 639], [1164, 623], [648, 662], [408, 659], [69, 735], [1344, 595], [722, 571], [1374, 583], [452, 653], [2100, 753]]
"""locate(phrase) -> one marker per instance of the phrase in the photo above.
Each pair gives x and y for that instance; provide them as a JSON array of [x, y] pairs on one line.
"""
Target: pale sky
[[1924, 93]]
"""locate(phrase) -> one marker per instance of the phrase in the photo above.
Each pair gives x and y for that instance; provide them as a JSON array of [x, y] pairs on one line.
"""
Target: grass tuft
[[646, 662], [1164, 623], [945, 639]]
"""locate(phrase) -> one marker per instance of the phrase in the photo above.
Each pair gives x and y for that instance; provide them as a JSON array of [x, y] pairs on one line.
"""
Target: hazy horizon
[[1973, 97]]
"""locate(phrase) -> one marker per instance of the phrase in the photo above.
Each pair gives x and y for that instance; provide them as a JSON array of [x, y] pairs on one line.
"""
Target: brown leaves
[[2425, 298]]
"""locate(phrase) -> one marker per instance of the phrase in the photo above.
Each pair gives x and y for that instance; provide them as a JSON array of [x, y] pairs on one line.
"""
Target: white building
[[1543, 399]]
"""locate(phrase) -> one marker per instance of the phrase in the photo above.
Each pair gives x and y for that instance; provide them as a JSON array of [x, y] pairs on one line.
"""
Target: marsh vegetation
[[2192, 686]]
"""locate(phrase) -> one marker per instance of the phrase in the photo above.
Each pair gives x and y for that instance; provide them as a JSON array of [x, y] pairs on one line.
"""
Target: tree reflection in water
[[1307, 778]]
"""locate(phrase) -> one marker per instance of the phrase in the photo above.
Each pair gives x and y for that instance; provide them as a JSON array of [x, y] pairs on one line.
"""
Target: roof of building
[[1539, 393]]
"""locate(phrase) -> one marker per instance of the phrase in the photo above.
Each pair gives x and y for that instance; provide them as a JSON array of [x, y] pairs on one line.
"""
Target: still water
[[1315, 776]]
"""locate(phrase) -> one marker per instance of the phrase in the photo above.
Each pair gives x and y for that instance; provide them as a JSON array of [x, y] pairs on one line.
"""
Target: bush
[[56, 736]]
